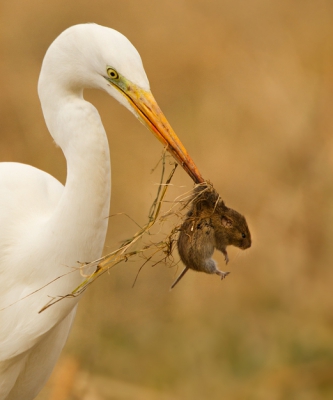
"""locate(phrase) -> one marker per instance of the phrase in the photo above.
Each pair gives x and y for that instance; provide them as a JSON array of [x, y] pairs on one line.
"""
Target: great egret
[[45, 227]]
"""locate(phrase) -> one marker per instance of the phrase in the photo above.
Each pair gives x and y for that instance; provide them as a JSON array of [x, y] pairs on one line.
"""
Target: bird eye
[[243, 235], [112, 73]]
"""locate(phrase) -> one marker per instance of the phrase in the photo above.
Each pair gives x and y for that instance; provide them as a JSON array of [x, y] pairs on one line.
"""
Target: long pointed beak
[[152, 117]]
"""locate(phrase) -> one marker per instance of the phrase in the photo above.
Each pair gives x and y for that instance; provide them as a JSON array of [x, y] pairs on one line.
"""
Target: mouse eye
[[243, 235]]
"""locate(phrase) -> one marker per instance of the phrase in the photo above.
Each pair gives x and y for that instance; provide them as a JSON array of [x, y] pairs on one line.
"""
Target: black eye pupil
[[243, 235], [112, 73]]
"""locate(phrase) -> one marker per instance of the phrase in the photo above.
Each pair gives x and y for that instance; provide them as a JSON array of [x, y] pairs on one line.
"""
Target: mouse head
[[231, 227]]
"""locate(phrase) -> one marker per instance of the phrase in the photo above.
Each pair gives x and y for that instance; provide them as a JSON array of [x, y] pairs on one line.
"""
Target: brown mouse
[[210, 224]]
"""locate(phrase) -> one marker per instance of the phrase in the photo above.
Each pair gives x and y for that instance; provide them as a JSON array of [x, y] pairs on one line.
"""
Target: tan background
[[248, 87]]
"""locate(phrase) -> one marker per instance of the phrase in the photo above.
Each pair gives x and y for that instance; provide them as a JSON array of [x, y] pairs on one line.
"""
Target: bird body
[[47, 228]]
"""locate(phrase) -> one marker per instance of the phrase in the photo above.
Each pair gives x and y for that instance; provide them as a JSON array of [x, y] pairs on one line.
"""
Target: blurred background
[[248, 87]]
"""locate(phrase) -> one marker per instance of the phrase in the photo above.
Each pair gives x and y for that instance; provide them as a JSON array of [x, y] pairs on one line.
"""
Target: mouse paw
[[222, 274]]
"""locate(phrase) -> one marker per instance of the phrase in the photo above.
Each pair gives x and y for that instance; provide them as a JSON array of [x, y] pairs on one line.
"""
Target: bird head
[[94, 56]]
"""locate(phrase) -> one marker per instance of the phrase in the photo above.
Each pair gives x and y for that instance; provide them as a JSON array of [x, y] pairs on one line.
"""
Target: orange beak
[[149, 113]]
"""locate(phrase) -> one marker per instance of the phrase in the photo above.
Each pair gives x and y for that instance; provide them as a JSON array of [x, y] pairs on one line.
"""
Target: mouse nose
[[246, 242]]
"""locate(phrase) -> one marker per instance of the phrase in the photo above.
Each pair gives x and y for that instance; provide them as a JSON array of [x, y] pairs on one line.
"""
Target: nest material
[[162, 249]]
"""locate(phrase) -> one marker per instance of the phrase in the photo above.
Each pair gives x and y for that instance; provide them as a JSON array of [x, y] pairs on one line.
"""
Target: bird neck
[[81, 216]]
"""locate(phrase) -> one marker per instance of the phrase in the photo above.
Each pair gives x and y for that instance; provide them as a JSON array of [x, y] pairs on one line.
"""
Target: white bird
[[45, 227]]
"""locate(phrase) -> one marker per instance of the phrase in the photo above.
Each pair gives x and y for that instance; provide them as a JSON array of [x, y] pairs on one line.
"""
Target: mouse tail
[[179, 277]]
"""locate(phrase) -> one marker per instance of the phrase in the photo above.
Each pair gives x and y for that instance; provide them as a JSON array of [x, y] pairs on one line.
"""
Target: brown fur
[[210, 224]]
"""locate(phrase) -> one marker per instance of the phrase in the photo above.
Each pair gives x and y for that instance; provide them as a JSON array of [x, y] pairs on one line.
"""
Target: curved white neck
[[81, 216]]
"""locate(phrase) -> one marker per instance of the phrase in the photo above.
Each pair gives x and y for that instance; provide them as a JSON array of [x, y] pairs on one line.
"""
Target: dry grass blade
[[124, 252]]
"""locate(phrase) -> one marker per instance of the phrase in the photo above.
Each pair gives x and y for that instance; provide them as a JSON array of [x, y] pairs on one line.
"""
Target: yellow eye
[[112, 73]]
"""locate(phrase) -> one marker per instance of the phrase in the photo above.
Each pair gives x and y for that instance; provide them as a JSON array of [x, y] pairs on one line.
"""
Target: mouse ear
[[226, 222]]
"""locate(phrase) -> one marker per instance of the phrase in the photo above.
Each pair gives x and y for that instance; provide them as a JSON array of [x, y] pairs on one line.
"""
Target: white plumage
[[45, 227]]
